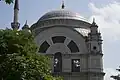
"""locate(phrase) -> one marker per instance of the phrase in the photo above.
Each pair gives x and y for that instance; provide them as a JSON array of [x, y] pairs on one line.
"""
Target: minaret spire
[[63, 5], [16, 6], [26, 26], [15, 24], [26, 22], [94, 21]]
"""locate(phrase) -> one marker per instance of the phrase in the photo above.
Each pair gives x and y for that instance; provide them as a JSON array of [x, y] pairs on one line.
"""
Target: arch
[[62, 31], [58, 62]]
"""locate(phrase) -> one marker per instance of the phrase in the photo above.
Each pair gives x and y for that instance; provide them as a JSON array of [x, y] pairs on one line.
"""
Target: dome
[[61, 14]]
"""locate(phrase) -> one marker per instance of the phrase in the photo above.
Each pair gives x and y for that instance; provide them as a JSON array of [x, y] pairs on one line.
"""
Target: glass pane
[[75, 65], [58, 62], [44, 46], [58, 39], [73, 47]]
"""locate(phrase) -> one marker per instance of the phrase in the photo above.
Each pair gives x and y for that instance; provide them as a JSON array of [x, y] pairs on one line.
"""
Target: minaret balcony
[[15, 25]]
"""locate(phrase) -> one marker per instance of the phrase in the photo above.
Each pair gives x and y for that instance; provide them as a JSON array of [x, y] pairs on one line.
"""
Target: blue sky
[[33, 10], [106, 13]]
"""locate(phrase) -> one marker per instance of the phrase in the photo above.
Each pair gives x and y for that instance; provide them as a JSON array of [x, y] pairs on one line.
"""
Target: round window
[[94, 47]]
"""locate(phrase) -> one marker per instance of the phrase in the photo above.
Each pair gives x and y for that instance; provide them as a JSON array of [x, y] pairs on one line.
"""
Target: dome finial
[[63, 5]]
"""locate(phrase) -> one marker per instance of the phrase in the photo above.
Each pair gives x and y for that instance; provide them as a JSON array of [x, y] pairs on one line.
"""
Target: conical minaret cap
[[16, 6], [94, 23], [25, 26]]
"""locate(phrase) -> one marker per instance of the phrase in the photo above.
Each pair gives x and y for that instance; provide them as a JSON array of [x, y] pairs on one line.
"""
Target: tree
[[8, 1], [19, 59], [116, 77]]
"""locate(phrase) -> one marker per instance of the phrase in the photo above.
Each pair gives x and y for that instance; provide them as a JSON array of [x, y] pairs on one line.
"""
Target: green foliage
[[8, 1], [19, 59]]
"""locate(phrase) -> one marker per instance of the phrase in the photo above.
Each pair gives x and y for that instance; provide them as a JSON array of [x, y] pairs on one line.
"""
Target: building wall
[[88, 63], [62, 31]]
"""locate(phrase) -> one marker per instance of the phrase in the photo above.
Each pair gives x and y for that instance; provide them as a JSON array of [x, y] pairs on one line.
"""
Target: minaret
[[15, 24], [95, 40], [26, 28], [95, 53]]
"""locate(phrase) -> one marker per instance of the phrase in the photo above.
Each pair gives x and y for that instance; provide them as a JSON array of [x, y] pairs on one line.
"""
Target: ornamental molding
[[67, 22]]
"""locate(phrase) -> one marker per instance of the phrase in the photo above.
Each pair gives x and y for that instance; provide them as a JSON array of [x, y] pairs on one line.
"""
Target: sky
[[106, 13]]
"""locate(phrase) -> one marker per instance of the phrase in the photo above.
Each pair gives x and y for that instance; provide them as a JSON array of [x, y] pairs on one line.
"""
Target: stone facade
[[74, 56]]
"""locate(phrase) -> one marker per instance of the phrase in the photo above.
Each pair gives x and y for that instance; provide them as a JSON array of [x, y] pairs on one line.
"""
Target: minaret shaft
[[15, 24], [15, 16]]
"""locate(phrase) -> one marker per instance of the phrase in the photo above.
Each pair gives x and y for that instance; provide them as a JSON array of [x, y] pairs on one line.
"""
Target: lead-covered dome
[[61, 14], [65, 18]]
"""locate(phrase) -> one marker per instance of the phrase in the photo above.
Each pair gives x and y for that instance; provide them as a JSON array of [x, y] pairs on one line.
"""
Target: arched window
[[75, 65], [58, 62], [73, 47], [44, 46], [58, 39]]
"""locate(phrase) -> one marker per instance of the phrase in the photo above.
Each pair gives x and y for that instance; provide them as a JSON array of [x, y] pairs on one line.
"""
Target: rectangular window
[[58, 62], [75, 65]]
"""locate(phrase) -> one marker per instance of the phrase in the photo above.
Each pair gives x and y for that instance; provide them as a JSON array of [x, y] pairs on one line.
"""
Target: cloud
[[109, 72], [108, 18]]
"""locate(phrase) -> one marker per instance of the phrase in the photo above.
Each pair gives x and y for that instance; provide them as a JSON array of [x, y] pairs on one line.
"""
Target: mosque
[[74, 45]]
